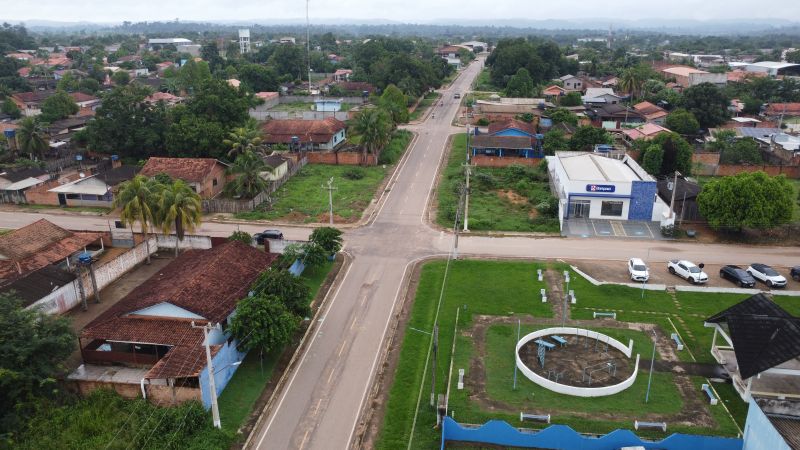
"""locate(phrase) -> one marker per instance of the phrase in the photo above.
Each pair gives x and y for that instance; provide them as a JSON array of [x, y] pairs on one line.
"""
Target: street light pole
[[566, 294], [210, 363], [672, 202], [650, 376], [330, 190], [466, 199]]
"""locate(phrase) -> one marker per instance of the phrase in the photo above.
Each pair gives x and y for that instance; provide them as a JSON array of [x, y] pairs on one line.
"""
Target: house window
[[214, 182], [611, 209]]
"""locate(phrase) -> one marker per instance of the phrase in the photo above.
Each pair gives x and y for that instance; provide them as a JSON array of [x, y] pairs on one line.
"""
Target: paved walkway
[[586, 228]]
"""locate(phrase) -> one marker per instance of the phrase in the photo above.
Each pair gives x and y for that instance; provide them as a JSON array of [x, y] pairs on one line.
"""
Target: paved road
[[320, 404]]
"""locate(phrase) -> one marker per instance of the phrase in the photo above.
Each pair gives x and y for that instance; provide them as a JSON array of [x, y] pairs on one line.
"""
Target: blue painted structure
[[223, 368], [643, 194], [536, 149], [500, 433], [297, 268], [760, 433]]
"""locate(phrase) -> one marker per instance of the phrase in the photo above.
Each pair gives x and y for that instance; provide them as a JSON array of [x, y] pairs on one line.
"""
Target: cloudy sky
[[416, 11]]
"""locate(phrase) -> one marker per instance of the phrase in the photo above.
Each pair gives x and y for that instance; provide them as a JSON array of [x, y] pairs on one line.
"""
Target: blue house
[[508, 139], [153, 336]]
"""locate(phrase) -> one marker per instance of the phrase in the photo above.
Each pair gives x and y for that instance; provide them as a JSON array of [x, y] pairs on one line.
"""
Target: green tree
[[571, 99], [89, 86], [242, 139], [192, 75], [741, 151], [248, 181], [31, 138], [520, 84], [210, 54], [587, 137], [259, 78], [555, 141], [708, 104], [137, 199], [33, 348], [58, 106], [722, 139], [68, 83], [561, 115], [262, 323], [189, 135], [11, 108], [309, 253], [179, 208], [121, 78], [291, 290], [241, 236], [682, 122], [793, 57], [652, 159], [676, 154], [395, 103], [751, 200], [374, 127], [329, 238], [288, 60]]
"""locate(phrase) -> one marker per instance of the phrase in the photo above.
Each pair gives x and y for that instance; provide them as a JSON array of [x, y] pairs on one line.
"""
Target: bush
[[353, 173], [668, 231], [548, 208], [518, 172], [483, 122], [484, 180]]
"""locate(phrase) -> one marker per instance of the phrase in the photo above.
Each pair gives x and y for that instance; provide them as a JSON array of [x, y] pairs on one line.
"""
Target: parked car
[[795, 273], [456, 95], [267, 234], [637, 270], [737, 275], [767, 275], [688, 270]]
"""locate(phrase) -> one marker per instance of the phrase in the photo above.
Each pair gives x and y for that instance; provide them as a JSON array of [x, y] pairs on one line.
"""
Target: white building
[[591, 186], [774, 69], [244, 41], [157, 43]]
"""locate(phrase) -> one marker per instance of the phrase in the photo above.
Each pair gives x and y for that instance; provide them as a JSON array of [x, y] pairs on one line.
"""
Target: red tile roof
[[38, 245], [165, 96], [650, 111], [776, 109], [208, 283], [32, 97], [319, 131], [356, 86], [496, 127], [193, 170], [80, 97]]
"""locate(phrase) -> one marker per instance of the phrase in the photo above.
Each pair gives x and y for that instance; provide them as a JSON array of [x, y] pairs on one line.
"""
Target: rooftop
[[282, 131], [192, 170], [683, 71], [646, 131], [504, 142], [581, 166], [496, 127]]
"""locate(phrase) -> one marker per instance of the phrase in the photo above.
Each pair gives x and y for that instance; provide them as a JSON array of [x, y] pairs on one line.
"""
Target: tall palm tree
[[375, 127], [241, 140], [31, 137], [179, 207], [248, 169], [632, 81], [137, 197]]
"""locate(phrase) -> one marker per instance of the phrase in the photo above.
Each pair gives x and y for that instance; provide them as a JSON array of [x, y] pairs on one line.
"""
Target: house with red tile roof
[[651, 112], [553, 91], [30, 103], [327, 134], [205, 175], [647, 132], [342, 75], [166, 97], [151, 336]]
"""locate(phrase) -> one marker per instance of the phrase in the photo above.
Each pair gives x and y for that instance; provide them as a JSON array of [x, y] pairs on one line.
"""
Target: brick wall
[[730, 169], [495, 161], [705, 158], [208, 188], [342, 158], [39, 195]]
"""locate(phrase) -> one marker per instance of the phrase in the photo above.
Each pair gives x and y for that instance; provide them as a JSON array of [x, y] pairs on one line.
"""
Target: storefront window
[[611, 209]]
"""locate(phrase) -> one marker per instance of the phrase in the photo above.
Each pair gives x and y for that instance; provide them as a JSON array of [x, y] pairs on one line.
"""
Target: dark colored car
[[737, 275], [795, 273], [267, 234]]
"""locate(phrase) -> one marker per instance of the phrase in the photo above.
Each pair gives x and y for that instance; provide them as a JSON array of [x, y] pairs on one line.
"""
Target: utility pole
[[433, 372], [566, 296], [211, 383], [455, 225], [650, 376], [330, 190], [672, 202], [466, 198]]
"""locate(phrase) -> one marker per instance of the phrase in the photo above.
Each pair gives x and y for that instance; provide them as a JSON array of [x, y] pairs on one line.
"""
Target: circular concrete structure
[[577, 391]]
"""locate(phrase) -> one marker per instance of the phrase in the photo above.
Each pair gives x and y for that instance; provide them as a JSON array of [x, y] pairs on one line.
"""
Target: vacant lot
[[303, 106], [515, 198]]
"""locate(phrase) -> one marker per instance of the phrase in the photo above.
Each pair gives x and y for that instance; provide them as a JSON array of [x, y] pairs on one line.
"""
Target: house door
[[579, 209], [62, 199]]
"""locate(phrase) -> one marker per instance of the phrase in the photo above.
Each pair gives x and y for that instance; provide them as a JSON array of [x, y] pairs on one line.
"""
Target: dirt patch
[[325, 218], [295, 217], [512, 197]]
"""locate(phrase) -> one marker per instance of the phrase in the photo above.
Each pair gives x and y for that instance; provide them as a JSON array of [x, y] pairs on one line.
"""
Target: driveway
[[589, 228]]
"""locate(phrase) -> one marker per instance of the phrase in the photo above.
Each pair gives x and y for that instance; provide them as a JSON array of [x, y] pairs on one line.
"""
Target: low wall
[[574, 390], [312, 98], [496, 161], [707, 163], [188, 242], [340, 158], [157, 394]]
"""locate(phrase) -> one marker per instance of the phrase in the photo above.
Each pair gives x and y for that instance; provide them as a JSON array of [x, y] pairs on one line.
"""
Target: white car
[[637, 270], [688, 270], [766, 274]]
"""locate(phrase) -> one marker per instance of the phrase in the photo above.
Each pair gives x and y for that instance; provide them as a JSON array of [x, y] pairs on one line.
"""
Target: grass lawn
[[484, 82], [429, 99], [502, 288], [501, 199], [242, 392]]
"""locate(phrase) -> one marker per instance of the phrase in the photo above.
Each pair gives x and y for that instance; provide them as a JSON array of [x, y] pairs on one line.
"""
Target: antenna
[[308, 47]]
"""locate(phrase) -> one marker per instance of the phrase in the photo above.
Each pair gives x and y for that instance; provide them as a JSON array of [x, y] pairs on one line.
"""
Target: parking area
[[611, 228], [617, 272]]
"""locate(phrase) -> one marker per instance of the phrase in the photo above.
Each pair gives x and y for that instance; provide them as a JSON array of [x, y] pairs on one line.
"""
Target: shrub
[[483, 122], [484, 180], [353, 173]]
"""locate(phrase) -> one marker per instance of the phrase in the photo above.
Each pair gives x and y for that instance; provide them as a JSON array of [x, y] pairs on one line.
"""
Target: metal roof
[[594, 168], [89, 185], [23, 184]]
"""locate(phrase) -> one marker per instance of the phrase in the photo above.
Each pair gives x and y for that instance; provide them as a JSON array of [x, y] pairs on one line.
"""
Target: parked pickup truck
[[687, 270]]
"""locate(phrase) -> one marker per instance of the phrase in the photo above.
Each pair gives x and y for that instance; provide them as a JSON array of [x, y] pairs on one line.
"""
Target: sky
[[409, 11]]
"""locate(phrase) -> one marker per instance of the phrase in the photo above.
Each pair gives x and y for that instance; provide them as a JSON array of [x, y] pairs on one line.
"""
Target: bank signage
[[600, 188]]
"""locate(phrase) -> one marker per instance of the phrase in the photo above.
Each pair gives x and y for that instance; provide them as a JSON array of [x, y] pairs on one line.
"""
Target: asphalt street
[[320, 403]]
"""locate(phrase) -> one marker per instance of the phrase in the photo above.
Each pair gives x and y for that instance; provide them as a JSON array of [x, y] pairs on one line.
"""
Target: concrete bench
[[712, 399], [545, 344], [677, 340], [534, 417], [460, 379], [572, 298], [611, 315], [544, 295], [561, 341], [652, 425], [539, 274]]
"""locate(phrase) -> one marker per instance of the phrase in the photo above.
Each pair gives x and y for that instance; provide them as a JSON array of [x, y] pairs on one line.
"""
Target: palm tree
[[375, 127], [248, 169], [242, 139], [179, 207], [31, 137], [137, 198], [632, 81]]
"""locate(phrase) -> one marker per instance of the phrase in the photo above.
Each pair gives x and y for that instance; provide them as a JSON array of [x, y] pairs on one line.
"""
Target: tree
[[682, 122], [708, 104], [179, 208], [561, 115], [309, 253], [241, 236], [741, 151], [137, 198], [374, 126], [291, 290], [395, 103], [632, 80], [722, 139], [248, 181], [258, 77], [288, 60], [58, 106], [752, 200], [520, 84], [652, 159], [675, 154], [242, 139], [554, 141], [210, 54], [89, 86], [571, 99], [586, 137], [262, 323], [121, 78], [793, 57], [189, 135], [31, 138], [11, 108], [329, 238], [33, 347]]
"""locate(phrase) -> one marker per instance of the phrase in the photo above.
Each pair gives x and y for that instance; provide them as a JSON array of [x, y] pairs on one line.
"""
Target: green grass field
[[508, 289], [484, 82], [501, 199]]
